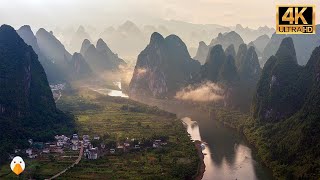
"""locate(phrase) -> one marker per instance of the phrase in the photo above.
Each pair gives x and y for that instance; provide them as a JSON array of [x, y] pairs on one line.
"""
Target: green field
[[115, 120]]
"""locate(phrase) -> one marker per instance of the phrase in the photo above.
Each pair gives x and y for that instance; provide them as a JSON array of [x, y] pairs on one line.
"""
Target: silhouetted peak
[[174, 39], [128, 23], [156, 38], [86, 41], [76, 55], [230, 51], [129, 26], [25, 28], [239, 27], [201, 44], [251, 50], [29, 38], [251, 44], [26, 32], [6, 28], [243, 48], [233, 33], [8, 35], [216, 48], [101, 45], [42, 31], [81, 29], [216, 52], [286, 50]]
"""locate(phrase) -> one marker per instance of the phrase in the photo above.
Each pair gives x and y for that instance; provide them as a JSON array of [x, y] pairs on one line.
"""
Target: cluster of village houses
[[56, 88], [63, 143]]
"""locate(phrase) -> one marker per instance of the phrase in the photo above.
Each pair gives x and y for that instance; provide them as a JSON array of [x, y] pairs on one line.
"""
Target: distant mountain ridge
[[304, 45], [225, 40], [100, 57]]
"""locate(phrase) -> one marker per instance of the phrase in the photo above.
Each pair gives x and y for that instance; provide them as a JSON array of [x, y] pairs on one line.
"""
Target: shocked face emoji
[[17, 165]]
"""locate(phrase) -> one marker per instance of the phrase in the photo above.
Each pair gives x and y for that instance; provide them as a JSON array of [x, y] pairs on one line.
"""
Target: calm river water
[[228, 156]]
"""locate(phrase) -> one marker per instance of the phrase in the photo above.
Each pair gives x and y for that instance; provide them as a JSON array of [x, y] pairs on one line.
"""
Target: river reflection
[[227, 154], [111, 92]]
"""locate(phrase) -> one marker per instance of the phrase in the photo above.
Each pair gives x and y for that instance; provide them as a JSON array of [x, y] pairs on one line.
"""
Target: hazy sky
[[103, 13]]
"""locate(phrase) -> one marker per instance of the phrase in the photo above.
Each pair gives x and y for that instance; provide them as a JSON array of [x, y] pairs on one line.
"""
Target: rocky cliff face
[[277, 96], [286, 107], [27, 108], [24, 86], [163, 67], [249, 67]]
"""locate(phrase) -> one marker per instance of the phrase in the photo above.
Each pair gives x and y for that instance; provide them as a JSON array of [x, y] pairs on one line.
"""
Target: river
[[227, 153]]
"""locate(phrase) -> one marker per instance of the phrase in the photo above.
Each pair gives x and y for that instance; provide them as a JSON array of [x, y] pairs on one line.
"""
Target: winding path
[[60, 94], [71, 166]]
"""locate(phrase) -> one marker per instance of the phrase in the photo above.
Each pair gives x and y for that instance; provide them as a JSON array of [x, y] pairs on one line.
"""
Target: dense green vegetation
[[285, 125], [27, 108], [116, 119]]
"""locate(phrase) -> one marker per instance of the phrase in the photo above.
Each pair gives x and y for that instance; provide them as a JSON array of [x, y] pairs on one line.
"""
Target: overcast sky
[[103, 13]]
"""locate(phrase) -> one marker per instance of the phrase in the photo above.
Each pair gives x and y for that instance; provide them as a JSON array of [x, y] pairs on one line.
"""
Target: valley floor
[[158, 144]]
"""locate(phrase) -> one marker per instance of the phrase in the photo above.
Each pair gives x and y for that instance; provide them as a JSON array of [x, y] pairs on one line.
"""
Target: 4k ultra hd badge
[[296, 19]]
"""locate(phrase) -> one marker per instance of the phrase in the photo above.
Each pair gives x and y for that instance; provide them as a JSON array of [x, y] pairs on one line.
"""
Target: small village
[[92, 147], [56, 90]]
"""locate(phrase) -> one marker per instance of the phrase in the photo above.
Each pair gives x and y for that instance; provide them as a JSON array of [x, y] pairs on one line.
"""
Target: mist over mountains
[[273, 77], [137, 35], [60, 65]]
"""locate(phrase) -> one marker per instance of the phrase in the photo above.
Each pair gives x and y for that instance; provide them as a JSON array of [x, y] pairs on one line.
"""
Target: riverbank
[[201, 165], [245, 125], [228, 153]]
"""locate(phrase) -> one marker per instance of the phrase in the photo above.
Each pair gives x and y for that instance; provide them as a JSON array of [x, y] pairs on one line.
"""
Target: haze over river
[[227, 154]]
